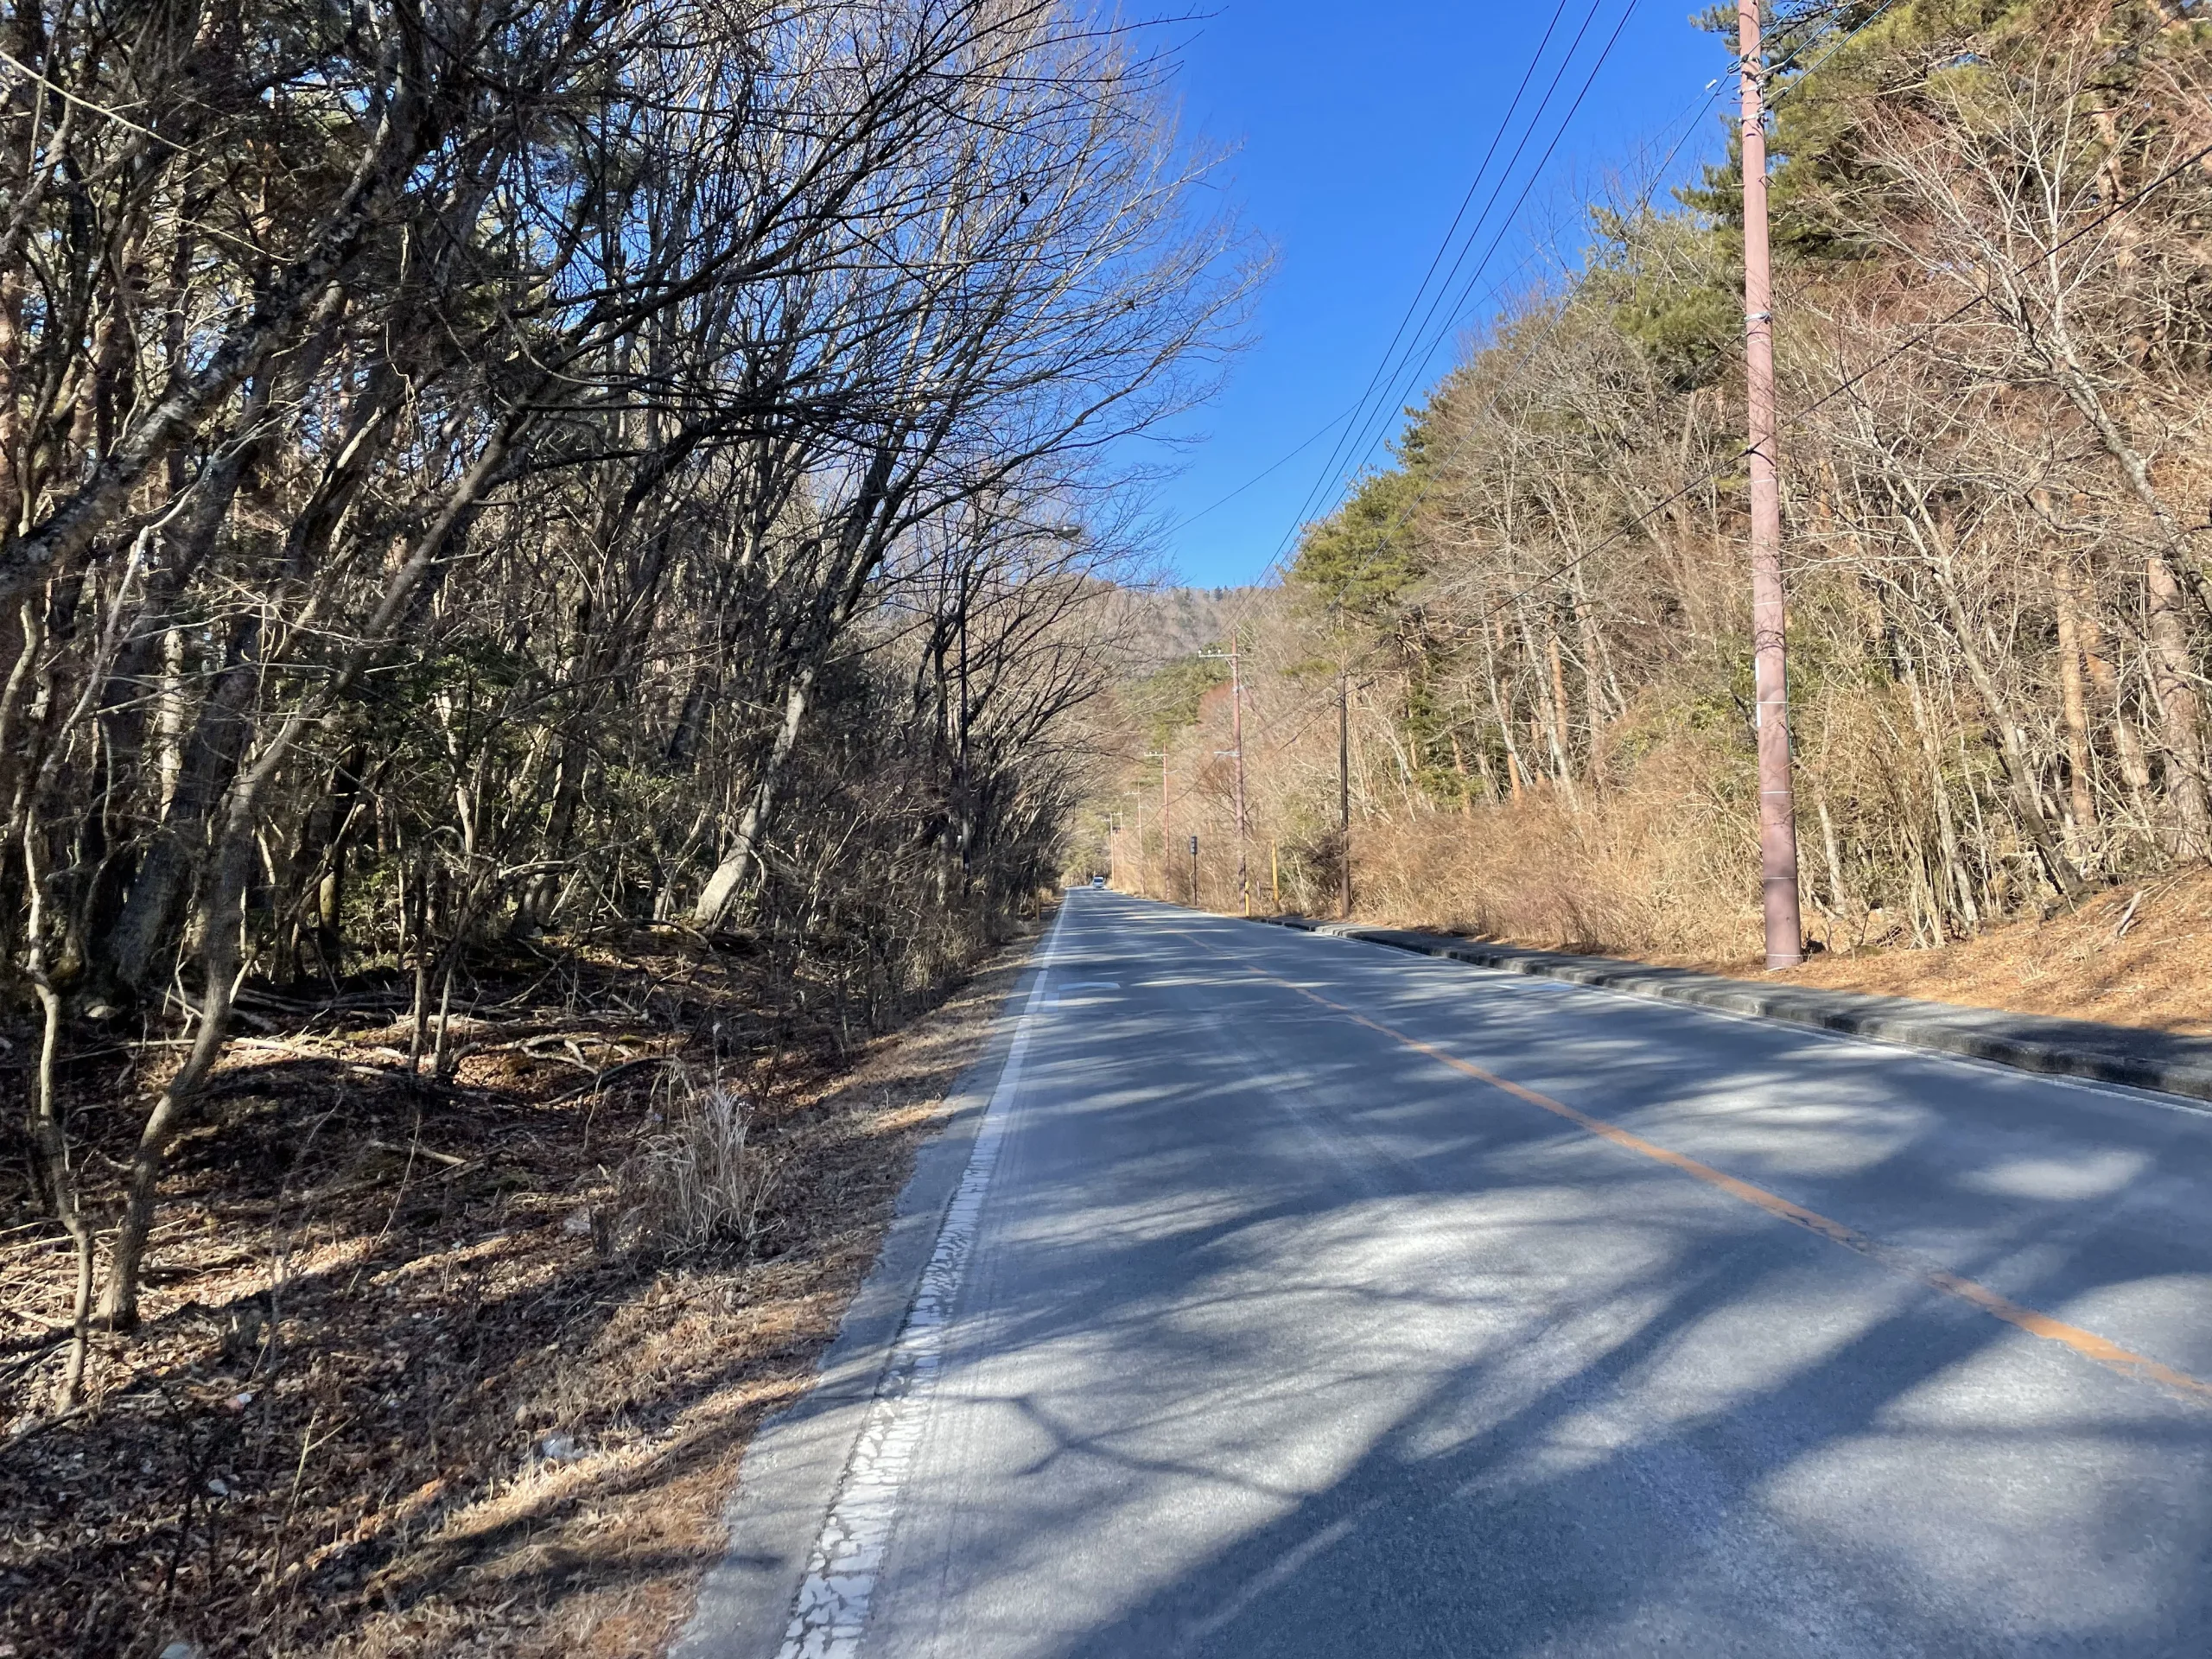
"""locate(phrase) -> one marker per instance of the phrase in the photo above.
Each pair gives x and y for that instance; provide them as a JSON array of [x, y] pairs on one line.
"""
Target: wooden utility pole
[[1236, 739], [1141, 892], [1236, 748], [1167, 847], [1785, 939], [1344, 782]]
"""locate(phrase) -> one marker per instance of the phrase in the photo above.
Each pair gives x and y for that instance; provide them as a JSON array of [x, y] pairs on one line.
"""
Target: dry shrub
[[701, 1182]]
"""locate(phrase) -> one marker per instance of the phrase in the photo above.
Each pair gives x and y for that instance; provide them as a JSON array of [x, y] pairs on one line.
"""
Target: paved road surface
[[1311, 1299]]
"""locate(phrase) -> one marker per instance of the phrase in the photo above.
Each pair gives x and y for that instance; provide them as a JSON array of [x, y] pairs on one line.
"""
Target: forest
[[1993, 227], [507, 511]]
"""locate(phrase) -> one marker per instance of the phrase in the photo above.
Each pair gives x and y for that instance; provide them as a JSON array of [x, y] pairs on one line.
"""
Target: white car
[[1097, 881]]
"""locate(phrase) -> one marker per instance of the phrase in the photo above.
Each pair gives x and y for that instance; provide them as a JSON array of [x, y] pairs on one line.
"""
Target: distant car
[[1097, 881]]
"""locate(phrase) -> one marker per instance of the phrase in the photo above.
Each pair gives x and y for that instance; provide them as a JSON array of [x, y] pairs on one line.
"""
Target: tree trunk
[[2173, 677], [221, 948], [722, 886], [1514, 769], [137, 950], [2181, 711], [1466, 789], [1937, 546], [2134, 766], [2074, 704], [1947, 827]]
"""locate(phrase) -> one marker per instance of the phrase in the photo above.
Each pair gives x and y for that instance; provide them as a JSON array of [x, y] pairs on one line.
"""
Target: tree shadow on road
[[1682, 1424]]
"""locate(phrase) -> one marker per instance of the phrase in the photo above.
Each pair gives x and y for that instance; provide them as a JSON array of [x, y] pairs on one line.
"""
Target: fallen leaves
[[386, 1402]]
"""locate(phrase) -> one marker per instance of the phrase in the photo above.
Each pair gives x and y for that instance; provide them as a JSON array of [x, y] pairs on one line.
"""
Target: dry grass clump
[[699, 1182]]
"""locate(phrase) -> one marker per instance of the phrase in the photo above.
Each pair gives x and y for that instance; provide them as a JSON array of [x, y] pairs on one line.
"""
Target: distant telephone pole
[[1167, 847], [1785, 939], [1236, 748]]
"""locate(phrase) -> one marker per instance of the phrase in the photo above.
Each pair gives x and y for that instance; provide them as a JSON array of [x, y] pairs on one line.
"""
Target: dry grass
[[405, 1384], [2134, 956], [701, 1181], [1659, 874], [1653, 868]]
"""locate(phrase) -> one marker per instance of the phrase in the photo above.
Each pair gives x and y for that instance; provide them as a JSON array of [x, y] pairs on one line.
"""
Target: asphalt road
[[1307, 1297]]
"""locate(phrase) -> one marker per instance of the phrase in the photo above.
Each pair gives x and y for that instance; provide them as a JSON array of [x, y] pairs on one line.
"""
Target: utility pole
[[1236, 738], [1236, 748], [1167, 847], [1785, 939], [1141, 892], [1344, 778]]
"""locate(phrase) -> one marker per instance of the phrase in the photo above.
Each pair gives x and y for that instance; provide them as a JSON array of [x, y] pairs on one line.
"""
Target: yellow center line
[[2088, 1344]]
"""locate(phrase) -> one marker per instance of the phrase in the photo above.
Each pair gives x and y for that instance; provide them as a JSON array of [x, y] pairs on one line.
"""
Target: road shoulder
[[2049, 1046], [789, 1477]]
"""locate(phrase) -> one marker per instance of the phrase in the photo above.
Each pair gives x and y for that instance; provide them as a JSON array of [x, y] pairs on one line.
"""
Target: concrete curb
[[2070, 1048], [789, 1476]]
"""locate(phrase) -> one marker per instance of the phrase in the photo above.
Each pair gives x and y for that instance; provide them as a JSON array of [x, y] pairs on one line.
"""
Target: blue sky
[[1357, 129]]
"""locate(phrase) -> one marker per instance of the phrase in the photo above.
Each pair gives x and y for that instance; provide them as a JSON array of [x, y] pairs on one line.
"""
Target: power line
[[1307, 442], [1926, 333], [1466, 199], [1857, 29], [1387, 369], [1276, 465], [1419, 364], [1919, 338], [1712, 93], [1703, 105], [1651, 512], [1695, 112]]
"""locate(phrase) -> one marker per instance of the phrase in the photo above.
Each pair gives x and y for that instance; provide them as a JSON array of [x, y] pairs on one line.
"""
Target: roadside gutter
[[2066, 1048]]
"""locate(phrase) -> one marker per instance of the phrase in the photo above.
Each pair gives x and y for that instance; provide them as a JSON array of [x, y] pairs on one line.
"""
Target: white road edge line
[[831, 1612]]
